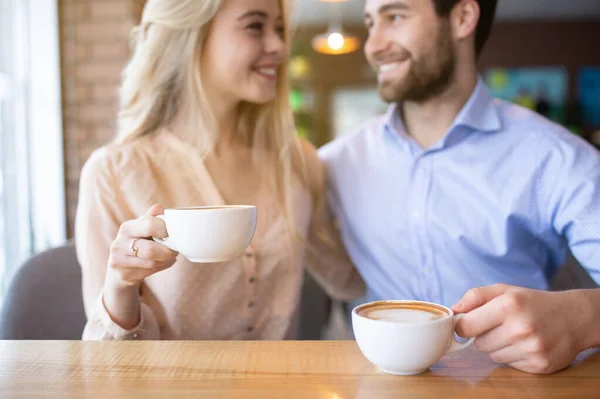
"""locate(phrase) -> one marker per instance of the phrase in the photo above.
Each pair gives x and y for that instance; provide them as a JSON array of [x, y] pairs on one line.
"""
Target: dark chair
[[315, 310], [44, 298]]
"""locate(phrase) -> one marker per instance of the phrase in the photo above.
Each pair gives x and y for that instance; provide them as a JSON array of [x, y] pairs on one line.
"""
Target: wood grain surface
[[263, 369]]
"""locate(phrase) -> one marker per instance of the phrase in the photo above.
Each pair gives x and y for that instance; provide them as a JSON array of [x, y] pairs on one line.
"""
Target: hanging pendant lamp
[[335, 41]]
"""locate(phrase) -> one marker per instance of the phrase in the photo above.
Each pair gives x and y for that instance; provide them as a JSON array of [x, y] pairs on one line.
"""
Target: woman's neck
[[226, 115]]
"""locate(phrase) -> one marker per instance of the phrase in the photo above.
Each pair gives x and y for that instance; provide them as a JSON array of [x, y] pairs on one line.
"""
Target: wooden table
[[301, 369]]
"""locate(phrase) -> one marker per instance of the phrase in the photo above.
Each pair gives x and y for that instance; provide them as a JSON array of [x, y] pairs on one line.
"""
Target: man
[[453, 190]]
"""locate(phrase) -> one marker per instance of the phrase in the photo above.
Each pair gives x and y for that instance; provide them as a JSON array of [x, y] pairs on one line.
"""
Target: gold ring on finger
[[133, 249]]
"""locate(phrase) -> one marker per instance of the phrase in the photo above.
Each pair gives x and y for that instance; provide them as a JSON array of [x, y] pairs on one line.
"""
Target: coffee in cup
[[405, 337], [207, 234], [402, 312]]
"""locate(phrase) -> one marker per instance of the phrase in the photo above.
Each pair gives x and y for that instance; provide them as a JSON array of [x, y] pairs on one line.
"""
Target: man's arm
[[538, 331]]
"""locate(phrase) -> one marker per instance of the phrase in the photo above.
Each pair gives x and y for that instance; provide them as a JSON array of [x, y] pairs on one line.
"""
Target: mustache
[[390, 56]]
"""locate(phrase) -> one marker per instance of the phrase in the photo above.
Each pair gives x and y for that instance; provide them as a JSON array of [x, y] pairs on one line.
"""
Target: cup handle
[[163, 241], [456, 345]]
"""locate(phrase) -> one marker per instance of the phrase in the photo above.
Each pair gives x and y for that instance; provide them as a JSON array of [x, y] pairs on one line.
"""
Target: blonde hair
[[163, 81]]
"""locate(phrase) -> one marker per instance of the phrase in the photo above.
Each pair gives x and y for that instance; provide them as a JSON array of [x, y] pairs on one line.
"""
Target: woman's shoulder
[[118, 159], [137, 160], [145, 171], [123, 154]]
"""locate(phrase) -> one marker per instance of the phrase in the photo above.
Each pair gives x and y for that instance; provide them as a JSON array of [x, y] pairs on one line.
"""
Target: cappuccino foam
[[403, 313]]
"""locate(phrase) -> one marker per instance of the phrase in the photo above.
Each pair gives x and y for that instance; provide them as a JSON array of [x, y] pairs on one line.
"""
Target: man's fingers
[[495, 339], [507, 355], [483, 319], [477, 297]]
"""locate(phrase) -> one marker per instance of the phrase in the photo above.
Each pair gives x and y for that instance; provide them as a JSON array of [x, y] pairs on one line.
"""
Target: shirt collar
[[392, 122], [479, 114], [393, 127]]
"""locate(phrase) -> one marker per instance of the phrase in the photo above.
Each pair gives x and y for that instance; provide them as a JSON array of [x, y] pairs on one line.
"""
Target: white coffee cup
[[207, 234], [405, 337]]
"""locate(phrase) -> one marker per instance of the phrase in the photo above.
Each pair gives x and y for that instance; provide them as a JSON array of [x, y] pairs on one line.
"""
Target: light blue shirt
[[497, 200]]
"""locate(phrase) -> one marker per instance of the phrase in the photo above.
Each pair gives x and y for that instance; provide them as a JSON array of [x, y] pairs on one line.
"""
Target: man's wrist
[[588, 308]]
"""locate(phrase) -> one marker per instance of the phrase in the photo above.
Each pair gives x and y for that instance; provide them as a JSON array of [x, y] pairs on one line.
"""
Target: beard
[[427, 76]]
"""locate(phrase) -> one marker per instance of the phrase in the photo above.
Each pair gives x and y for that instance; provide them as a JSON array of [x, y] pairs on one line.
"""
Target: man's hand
[[534, 331]]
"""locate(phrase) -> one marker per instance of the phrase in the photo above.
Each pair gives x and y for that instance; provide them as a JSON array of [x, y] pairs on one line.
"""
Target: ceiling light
[[335, 41]]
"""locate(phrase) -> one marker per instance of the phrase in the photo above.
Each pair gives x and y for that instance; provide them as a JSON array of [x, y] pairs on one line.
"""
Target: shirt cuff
[[101, 326]]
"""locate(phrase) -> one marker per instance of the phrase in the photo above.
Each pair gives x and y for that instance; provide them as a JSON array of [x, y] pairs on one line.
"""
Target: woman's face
[[244, 50]]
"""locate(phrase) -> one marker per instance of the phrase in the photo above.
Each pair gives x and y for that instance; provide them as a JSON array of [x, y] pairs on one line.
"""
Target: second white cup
[[405, 337]]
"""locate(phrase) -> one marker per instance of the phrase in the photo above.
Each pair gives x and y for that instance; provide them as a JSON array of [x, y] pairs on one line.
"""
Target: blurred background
[[60, 64]]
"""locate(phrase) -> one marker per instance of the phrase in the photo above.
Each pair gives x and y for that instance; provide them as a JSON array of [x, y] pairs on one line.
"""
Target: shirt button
[[135, 336], [249, 329], [250, 304], [251, 280]]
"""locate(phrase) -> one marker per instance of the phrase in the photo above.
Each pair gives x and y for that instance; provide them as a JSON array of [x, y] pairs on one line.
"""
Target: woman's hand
[[134, 255]]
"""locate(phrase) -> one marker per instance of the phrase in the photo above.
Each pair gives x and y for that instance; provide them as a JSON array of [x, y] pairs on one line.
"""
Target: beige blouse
[[253, 297]]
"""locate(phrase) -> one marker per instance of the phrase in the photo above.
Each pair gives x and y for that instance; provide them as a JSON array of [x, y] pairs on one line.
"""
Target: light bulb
[[335, 41]]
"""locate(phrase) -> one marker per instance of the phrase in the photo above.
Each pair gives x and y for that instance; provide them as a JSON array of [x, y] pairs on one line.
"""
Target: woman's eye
[[256, 27]]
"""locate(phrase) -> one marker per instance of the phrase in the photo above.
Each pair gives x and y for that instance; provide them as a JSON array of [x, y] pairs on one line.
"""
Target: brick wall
[[94, 50]]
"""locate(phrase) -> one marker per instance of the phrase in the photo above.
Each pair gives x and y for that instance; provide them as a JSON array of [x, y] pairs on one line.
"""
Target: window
[[32, 215]]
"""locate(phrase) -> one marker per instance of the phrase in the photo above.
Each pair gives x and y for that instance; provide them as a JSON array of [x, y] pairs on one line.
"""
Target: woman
[[205, 120]]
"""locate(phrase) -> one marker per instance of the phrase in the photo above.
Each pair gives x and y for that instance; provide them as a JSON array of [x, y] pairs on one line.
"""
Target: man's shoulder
[[533, 126], [356, 139], [549, 139]]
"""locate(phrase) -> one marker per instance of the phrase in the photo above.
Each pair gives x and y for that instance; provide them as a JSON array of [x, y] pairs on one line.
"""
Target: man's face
[[410, 47]]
